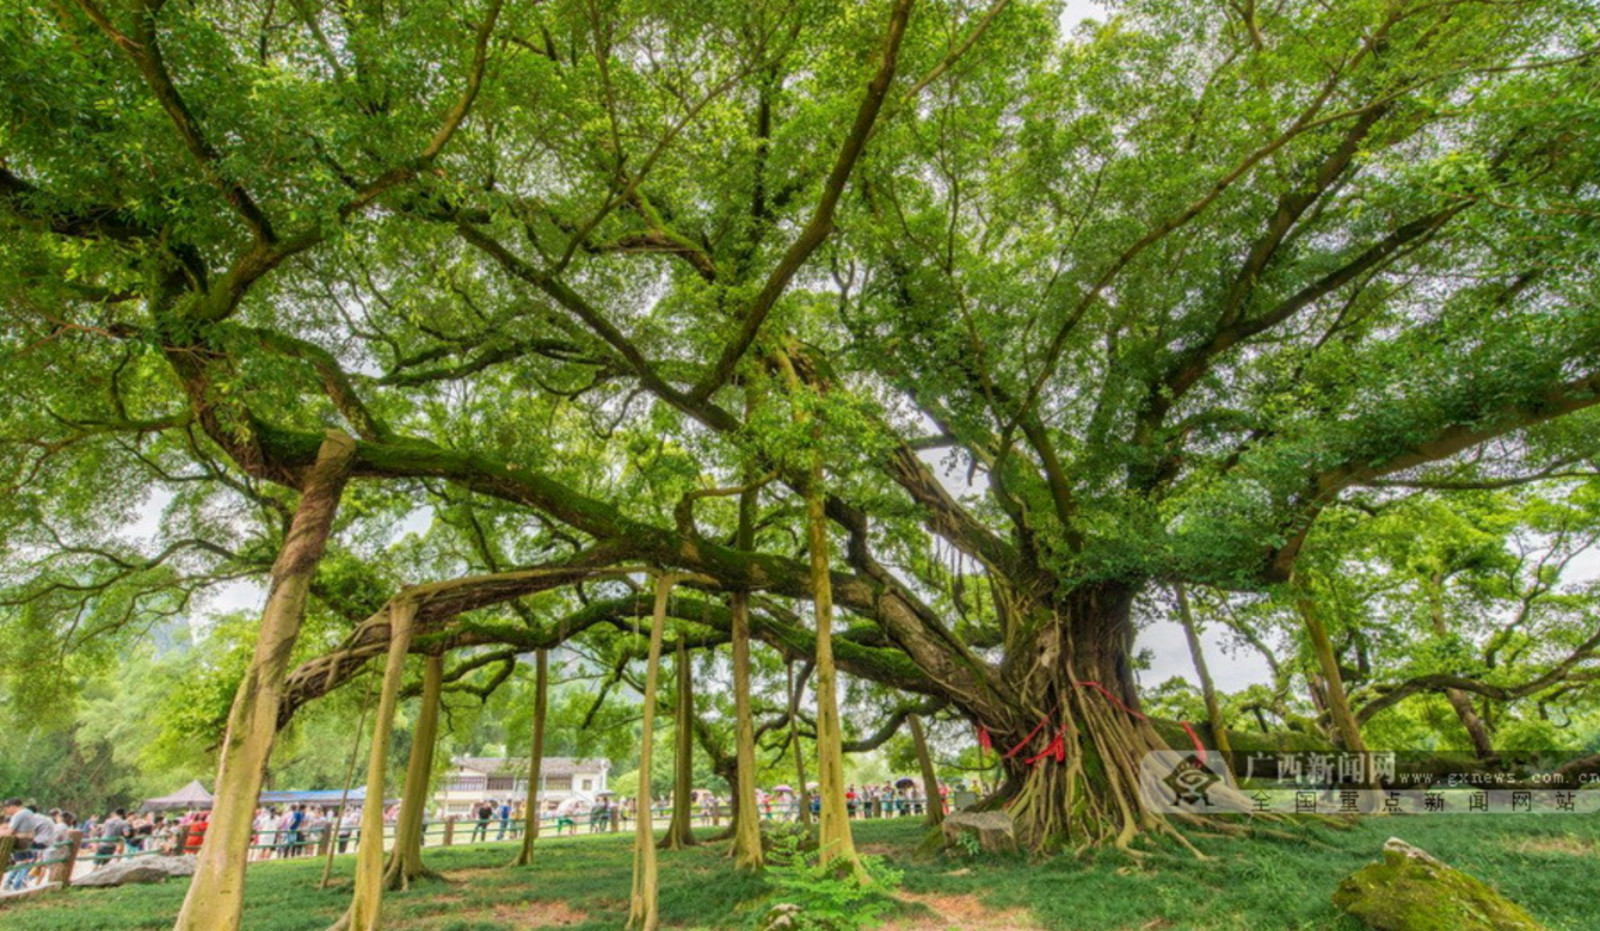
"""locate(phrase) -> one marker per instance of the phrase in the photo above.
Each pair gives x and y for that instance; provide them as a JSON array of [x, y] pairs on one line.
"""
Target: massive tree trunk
[[366, 899], [930, 776], [541, 690], [216, 893], [405, 860], [1071, 738], [644, 901], [680, 830]]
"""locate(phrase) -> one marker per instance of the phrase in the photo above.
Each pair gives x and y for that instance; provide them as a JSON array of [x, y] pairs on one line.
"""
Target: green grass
[[1546, 863]]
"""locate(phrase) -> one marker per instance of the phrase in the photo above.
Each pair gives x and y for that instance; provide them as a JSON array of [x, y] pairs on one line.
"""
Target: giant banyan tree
[[1021, 314]]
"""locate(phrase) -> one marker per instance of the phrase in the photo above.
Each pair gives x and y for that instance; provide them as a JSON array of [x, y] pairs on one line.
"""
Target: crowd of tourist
[[41, 838], [298, 830], [889, 800]]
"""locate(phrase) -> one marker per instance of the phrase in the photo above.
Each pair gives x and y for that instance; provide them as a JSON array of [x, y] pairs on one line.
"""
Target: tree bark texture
[[680, 830], [644, 901], [747, 853], [366, 900], [1345, 728], [405, 860], [930, 776], [216, 894], [1208, 689], [541, 693]]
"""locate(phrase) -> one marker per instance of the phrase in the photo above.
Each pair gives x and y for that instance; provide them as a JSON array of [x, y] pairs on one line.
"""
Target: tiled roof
[[551, 765]]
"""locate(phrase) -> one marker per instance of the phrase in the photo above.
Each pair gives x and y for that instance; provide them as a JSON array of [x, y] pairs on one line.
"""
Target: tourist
[[197, 833], [33, 832], [348, 826], [161, 835], [114, 833], [261, 840], [283, 835], [140, 830], [482, 813]]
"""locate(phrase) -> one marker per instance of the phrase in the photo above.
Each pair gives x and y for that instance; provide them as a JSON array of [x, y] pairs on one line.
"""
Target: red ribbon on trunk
[[1199, 748], [1057, 747]]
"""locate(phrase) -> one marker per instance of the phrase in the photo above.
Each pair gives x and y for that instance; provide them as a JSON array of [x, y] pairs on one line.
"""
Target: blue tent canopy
[[195, 796], [315, 797]]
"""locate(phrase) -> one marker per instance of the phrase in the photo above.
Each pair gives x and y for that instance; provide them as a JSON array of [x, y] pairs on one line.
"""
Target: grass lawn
[[1549, 864]]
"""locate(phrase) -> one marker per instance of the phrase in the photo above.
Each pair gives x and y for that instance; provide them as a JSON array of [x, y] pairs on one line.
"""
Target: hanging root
[[1092, 797]]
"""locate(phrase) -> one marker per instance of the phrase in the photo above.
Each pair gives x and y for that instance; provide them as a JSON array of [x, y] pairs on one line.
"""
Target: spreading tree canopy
[[1041, 314]]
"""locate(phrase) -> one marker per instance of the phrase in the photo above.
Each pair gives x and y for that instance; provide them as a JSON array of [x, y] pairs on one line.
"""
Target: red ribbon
[[1199, 748], [1057, 747], [1028, 739]]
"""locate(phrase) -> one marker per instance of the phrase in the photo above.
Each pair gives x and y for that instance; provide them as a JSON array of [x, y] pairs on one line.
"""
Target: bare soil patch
[[539, 915], [1569, 845], [961, 913]]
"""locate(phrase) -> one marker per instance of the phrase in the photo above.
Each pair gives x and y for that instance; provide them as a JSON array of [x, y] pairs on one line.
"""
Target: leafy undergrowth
[[1545, 863]]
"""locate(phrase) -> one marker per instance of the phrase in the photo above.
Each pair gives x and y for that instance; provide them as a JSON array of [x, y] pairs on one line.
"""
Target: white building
[[475, 778]]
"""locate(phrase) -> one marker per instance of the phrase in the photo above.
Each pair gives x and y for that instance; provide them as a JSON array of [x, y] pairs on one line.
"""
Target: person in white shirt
[[33, 831]]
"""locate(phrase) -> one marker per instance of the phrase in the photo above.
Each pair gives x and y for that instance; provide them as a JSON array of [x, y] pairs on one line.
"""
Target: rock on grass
[[1410, 890], [154, 869]]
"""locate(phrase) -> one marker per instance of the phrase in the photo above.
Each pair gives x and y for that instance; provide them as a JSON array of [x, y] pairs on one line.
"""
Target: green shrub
[[829, 899]]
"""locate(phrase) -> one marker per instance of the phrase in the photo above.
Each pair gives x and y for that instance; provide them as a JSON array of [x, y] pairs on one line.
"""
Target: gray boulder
[[994, 830], [155, 869], [1410, 890]]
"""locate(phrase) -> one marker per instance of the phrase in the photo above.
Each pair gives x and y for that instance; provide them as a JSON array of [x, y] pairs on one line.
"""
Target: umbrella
[[904, 782], [784, 788], [813, 785], [605, 792]]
